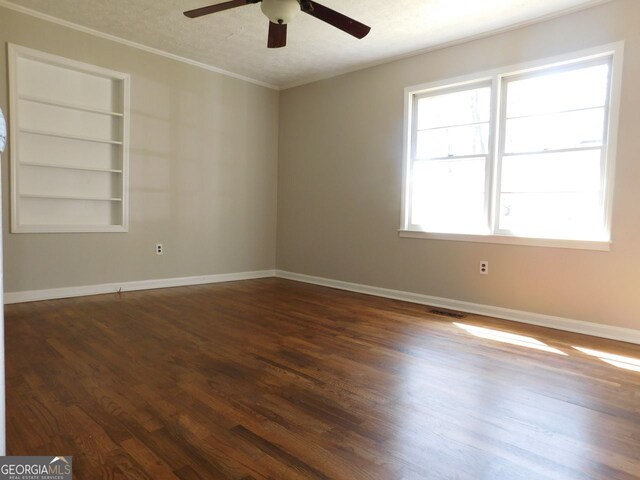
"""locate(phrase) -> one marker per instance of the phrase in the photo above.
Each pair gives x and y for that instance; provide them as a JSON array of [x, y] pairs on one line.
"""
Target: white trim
[[603, 246], [67, 292], [615, 96], [313, 78], [126, 132], [407, 141], [13, 136], [3, 437], [20, 51], [563, 59], [129, 43], [549, 321], [442, 46]]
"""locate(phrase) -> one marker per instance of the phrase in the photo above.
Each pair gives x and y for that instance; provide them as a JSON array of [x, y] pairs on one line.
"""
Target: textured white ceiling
[[235, 40]]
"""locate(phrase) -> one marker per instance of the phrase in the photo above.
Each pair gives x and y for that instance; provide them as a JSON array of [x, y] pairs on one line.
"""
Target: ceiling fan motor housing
[[280, 11]]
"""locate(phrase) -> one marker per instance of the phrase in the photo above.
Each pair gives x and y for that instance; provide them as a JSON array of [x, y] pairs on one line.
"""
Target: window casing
[[520, 155]]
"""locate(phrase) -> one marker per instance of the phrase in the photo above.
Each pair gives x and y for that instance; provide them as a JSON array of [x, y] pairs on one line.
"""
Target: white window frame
[[499, 78]]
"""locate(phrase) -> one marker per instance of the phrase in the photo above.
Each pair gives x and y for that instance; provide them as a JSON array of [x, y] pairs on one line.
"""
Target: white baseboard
[[559, 323], [49, 294]]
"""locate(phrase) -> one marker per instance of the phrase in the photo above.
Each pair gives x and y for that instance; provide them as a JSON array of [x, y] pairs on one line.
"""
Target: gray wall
[[206, 178], [203, 172], [339, 193]]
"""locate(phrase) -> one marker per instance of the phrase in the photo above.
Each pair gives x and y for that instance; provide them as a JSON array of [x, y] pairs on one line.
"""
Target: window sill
[[600, 245]]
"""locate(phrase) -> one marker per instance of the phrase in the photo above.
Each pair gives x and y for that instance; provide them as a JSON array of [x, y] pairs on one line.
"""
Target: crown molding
[[129, 43], [314, 78], [442, 46]]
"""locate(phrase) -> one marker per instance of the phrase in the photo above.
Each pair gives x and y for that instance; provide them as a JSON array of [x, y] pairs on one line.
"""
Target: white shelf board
[[99, 228], [70, 137], [70, 167], [56, 103], [70, 197]]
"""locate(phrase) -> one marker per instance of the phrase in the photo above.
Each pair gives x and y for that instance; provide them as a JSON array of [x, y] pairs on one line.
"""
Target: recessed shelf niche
[[69, 145]]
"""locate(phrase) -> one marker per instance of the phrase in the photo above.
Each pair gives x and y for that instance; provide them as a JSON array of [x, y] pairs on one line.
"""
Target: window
[[522, 155]]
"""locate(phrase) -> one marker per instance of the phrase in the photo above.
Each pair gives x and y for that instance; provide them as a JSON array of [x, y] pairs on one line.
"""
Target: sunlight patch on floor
[[627, 363], [511, 338]]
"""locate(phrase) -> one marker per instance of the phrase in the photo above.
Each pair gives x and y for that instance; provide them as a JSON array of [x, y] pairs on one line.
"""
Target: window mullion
[[501, 145], [496, 147]]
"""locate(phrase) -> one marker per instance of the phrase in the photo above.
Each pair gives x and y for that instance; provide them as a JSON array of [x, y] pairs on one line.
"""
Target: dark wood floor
[[272, 379]]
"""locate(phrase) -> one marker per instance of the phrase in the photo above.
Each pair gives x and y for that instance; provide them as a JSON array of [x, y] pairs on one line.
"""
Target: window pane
[[554, 195], [553, 215], [552, 172], [547, 148], [457, 108], [455, 141], [449, 195], [584, 128], [557, 92]]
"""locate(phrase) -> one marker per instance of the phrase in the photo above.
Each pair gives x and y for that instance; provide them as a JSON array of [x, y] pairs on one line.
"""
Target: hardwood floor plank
[[306, 471], [153, 466], [273, 379]]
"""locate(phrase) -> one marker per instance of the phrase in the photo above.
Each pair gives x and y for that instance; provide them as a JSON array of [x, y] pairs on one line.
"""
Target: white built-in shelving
[[69, 145]]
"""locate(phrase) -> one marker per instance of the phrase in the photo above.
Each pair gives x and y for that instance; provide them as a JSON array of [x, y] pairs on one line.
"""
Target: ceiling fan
[[282, 12]]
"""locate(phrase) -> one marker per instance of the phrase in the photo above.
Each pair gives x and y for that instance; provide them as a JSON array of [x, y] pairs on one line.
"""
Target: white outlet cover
[[484, 267]]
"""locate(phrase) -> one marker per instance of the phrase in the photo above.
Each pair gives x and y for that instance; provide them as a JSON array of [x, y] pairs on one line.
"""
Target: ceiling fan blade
[[338, 20], [277, 35], [219, 7]]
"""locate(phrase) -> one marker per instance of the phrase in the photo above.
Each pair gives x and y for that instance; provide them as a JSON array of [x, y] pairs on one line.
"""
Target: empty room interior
[[288, 239]]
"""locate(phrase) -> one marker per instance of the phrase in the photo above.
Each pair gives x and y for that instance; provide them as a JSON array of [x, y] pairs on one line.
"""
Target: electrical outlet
[[484, 267], [159, 249]]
